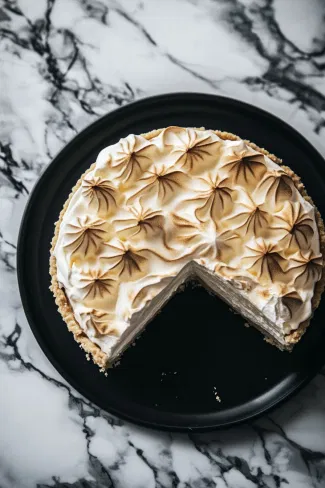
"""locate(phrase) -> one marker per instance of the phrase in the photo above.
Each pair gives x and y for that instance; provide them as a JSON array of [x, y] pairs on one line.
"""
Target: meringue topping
[[149, 207]]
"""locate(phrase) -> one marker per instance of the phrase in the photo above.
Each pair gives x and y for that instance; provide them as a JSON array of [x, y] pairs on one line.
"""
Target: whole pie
[[158, 209]]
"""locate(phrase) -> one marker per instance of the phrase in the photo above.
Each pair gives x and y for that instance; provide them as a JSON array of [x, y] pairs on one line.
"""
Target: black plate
[[196, 346]]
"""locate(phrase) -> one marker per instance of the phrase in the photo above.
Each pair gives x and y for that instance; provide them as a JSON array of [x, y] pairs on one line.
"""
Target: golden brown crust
[[64, 307]]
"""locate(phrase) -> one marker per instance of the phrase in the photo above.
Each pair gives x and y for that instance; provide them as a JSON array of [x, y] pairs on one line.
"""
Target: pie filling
[[157, 210]]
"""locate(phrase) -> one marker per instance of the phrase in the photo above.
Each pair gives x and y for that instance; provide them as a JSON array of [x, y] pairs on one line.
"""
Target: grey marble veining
[[64, 63]]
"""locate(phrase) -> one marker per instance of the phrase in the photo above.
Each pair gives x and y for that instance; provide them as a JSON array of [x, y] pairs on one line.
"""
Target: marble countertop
[[63, 64]]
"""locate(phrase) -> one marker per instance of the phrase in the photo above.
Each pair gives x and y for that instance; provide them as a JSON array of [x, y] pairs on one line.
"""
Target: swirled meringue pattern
[[152, 205], [100, 194], [84, 236]]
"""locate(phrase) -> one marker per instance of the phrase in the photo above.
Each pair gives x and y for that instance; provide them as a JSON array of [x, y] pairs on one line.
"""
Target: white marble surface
[[64, 63]]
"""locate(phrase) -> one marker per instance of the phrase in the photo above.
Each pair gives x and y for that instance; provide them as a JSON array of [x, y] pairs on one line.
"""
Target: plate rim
[[196, 96]]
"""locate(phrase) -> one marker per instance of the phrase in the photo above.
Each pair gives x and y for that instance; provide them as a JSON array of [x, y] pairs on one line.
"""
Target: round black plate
[[196, 347]]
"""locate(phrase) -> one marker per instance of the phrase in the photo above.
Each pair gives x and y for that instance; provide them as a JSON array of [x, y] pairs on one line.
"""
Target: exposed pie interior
[[159, 209]]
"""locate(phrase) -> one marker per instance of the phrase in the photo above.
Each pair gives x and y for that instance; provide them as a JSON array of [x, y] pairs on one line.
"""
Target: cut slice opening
[[213, 283]]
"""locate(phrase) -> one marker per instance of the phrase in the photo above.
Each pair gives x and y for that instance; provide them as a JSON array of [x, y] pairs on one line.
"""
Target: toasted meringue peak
[[95, 284], [139, 223], [298, 223], [124, 262], [132, 157], [306, 269], [151, 206], [276, 187], [249, 218], [162, 183], [196, 238], [263, 261], [84, 236], [244, 167], [193, 149], [100, 194], [215, 200]]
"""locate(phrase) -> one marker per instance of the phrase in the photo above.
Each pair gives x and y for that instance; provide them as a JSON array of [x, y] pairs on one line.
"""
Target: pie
[[158, 209]]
